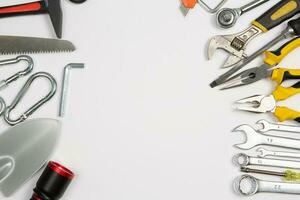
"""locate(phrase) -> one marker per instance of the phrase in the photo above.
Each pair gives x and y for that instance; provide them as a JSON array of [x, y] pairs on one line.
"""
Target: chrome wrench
[[266, 153], [256, 185], [254, 139], [243, 160], [236, 43], [227, 17], [268, 126]]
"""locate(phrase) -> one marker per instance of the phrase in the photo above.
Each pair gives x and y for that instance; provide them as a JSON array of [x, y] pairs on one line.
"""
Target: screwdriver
[[186, 5], [292, 29], [288, 175]]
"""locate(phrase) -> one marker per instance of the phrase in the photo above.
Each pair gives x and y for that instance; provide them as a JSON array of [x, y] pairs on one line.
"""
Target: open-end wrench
[[268, 126], [235, 44], [227, 17], [247, 185], [254, 139], [262, 153], [243, 160]]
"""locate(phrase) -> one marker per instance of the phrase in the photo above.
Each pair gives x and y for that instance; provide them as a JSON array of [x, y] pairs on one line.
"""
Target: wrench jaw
[[233, 60], [224, 43], [262, 153], [241, 185], [266, 126], [253, 138]]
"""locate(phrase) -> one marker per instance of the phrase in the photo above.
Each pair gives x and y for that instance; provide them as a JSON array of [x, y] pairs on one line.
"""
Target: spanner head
[[262, 152], [266, 126], [253, 138], [246, 185], [223, 42]]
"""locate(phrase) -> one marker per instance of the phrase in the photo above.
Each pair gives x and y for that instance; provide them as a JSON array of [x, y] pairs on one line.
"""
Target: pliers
[[272, 59], [267, 103]]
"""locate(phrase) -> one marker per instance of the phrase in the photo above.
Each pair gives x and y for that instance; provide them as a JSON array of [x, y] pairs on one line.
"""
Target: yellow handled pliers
[[268, 103], [272, 58]]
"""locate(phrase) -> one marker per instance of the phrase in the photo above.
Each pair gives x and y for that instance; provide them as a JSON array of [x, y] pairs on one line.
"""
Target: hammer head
[[56, 16]]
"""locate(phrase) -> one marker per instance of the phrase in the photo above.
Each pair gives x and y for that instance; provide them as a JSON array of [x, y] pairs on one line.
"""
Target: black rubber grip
[[282, 11], [295, 25], [288, 76], [297, 119], [296, 85]]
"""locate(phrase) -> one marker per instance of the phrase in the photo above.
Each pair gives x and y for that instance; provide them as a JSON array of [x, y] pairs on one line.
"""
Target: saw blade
[[31, 45]]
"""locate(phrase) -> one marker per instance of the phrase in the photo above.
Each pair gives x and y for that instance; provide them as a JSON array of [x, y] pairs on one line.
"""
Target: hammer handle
[[23, 9]]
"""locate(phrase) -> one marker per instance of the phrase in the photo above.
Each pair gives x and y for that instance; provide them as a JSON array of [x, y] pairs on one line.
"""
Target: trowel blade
[[27, 146]]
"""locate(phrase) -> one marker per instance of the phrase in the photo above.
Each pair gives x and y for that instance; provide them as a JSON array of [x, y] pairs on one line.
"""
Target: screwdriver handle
[[283, 10], [274, 57], [282, 74], [292, 176], [24, 9]]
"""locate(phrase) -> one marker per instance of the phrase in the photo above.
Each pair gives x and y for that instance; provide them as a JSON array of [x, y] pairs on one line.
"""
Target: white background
[[142, 122]]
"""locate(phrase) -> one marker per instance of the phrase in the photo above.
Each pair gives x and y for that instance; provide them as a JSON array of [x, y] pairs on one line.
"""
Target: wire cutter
[[267, 103], [272, 59]]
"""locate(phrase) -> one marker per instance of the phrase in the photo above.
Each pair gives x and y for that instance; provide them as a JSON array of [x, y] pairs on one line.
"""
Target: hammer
[[52, 7]]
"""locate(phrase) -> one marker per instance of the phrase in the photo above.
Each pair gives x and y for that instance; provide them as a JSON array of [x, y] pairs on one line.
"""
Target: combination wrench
[[254, 139], [256, 185], [268, 126], [262, 153], [243, 160], [227, 17]]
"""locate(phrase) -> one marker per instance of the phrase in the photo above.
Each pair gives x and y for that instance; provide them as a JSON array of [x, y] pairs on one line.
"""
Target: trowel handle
[[24, 9]]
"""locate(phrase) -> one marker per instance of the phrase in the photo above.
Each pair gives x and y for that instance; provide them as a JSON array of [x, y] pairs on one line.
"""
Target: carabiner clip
[[27, 70], [21, 94]]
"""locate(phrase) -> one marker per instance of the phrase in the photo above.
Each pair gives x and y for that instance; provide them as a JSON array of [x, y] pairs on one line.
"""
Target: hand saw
[[29, 45]]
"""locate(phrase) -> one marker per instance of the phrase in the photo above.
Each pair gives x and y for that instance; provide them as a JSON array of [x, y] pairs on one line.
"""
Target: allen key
[[65, 86]]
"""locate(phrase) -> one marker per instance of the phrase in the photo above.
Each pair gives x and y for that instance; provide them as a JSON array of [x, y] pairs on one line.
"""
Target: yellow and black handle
[[282, 74], [282, 11], [282, 93], [275, 57]]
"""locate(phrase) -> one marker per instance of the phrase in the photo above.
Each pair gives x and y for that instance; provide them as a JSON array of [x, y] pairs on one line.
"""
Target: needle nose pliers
[[272, 58], [268, 103]]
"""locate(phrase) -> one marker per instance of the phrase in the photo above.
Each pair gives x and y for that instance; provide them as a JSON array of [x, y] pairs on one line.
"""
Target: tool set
[[26, 147], [235, 45]]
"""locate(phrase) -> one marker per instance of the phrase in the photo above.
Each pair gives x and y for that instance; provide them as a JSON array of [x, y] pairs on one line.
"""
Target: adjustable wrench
[[255, 185], [243, 160], [235, 44], [268, 126], [265, 153], [254, 139]]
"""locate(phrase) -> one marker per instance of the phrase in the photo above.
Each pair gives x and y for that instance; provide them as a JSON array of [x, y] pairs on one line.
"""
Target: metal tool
[[288, 175], [52, 7], [186, 5], [268, 103], [247, 185], [254, 139], [24, 149], [268, 126], [243, 160], [27, 70], [65, 86], [272, 59], [291, 30], [29, 45], [21, 94], [266, 153], [227, 17], [235, 44], [2, 106]]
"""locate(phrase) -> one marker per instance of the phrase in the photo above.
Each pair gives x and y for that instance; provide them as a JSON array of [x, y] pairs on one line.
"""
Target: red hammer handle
[[23, 9]]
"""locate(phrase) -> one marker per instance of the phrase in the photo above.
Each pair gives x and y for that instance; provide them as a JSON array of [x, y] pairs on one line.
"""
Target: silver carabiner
[[21, 94], [27, 70]]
